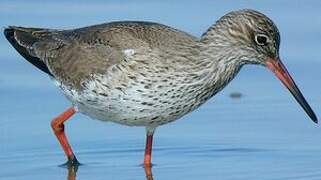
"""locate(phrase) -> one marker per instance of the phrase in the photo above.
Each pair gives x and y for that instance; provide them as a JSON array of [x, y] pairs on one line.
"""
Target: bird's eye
[[261, 39]]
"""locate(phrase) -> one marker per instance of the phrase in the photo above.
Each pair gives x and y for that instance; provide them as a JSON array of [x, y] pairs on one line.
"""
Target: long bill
[[277, 67]]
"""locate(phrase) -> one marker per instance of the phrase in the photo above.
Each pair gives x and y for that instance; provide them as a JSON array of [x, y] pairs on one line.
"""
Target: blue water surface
[[262, 135]]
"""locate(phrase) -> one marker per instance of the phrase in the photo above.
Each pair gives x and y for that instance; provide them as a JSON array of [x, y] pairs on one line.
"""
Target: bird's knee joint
[[57, 128]]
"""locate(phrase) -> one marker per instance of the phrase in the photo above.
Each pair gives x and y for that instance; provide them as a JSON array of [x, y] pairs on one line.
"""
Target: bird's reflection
[[148, 172], [72, 172]]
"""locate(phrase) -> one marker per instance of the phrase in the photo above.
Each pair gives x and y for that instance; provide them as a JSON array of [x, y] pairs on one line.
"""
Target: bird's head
[[253, 38]]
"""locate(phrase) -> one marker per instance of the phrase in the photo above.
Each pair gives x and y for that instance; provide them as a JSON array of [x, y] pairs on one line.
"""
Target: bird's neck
[[218, 64], [213, 70]]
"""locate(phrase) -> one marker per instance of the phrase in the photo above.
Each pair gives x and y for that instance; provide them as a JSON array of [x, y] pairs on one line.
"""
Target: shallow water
[[264, 134]]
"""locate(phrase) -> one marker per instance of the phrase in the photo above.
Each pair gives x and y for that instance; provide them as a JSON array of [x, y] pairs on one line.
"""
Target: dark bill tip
[[277, 67]]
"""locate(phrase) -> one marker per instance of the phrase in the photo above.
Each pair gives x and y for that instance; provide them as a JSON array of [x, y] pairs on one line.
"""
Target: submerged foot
[[72, 163], [72, 166], [147, 165]]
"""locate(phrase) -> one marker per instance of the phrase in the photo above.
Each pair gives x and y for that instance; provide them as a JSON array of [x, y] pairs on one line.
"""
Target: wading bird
[[148, 74]]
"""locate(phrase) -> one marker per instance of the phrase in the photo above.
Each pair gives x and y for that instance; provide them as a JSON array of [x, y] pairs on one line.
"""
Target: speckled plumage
[[148, 74], [140, 73]]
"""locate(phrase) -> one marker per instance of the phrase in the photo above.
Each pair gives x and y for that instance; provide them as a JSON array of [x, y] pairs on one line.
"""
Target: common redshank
[[148, 74]]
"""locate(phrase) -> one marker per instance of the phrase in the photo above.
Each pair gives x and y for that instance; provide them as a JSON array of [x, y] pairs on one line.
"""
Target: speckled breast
[[142, 101]]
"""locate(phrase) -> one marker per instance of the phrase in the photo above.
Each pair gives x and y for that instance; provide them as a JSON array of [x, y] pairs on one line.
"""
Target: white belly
[[129, 107]]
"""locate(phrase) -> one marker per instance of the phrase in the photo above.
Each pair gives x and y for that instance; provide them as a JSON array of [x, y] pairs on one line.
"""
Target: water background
[[262, 135]]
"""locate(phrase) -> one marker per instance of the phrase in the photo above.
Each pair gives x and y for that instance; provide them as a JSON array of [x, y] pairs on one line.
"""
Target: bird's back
[[71, 56]]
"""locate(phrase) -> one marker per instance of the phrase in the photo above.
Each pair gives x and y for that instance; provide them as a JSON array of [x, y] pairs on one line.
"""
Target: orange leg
[[148, 150], [58, 127]]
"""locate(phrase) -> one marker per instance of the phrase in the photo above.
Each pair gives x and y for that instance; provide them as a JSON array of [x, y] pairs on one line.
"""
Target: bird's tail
[[23, 39]]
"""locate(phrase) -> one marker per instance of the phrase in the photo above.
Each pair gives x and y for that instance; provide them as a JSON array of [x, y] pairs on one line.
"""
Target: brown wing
[[68, 56], [25, 49], [74, 55]]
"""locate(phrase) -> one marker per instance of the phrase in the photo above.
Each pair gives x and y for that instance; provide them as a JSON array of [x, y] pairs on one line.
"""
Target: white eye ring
[[261, 39]]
